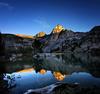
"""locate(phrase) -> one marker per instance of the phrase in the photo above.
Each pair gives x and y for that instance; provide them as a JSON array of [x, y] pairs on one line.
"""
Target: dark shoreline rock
[[64, 88], [2, 46], [50, 89]]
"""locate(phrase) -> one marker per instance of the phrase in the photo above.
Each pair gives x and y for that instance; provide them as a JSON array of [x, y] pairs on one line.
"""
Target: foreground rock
[[64, 88]]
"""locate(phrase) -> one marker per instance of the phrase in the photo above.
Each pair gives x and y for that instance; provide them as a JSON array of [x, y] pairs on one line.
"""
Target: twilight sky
[[32, 16]]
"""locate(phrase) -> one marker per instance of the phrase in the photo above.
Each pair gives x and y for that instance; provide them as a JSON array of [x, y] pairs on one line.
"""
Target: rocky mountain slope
[[62, 40], [91, 42], [69, 41]]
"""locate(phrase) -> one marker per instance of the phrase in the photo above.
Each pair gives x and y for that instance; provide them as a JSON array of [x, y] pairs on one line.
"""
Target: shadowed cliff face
[[59, 42], [91, 42], [2, 46], [53, 37]]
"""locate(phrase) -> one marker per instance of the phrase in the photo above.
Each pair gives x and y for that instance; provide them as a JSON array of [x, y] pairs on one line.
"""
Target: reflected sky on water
[[46, 69]]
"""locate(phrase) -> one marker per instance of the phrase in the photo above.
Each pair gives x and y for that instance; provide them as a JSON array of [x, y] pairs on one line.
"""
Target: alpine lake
[[50, 73]]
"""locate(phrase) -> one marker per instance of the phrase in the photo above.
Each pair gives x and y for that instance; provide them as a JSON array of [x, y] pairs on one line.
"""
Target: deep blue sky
[[32, 16]]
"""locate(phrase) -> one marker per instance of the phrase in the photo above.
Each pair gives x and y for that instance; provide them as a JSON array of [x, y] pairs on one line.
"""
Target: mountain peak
[[58, 29], [40, 34]]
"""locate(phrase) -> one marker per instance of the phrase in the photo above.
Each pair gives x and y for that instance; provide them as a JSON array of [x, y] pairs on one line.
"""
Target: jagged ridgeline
[[64, 40], [42, 39], [59, 40]]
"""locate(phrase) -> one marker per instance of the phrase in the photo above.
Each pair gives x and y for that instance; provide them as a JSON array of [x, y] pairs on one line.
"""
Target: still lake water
[[25, 72]]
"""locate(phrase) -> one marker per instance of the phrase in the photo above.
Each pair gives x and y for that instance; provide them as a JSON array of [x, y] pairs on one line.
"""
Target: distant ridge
[[24, 36]]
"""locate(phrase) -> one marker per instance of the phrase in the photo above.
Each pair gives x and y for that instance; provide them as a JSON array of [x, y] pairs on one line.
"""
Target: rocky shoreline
[[64, 88]]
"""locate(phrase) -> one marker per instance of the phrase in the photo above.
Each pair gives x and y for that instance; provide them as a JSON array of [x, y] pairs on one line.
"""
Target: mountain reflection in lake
[[32, 72]]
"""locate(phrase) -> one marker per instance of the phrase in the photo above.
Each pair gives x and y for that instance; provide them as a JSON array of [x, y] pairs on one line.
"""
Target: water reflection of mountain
[[63, 63], [67, 64], [59, 76], [56, 66]]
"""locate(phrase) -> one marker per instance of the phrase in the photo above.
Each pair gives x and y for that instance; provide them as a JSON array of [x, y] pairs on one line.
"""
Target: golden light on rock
[[58, 29], [59, 76], [42, 71], [27, 70], [41, 34], [24, 36]]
